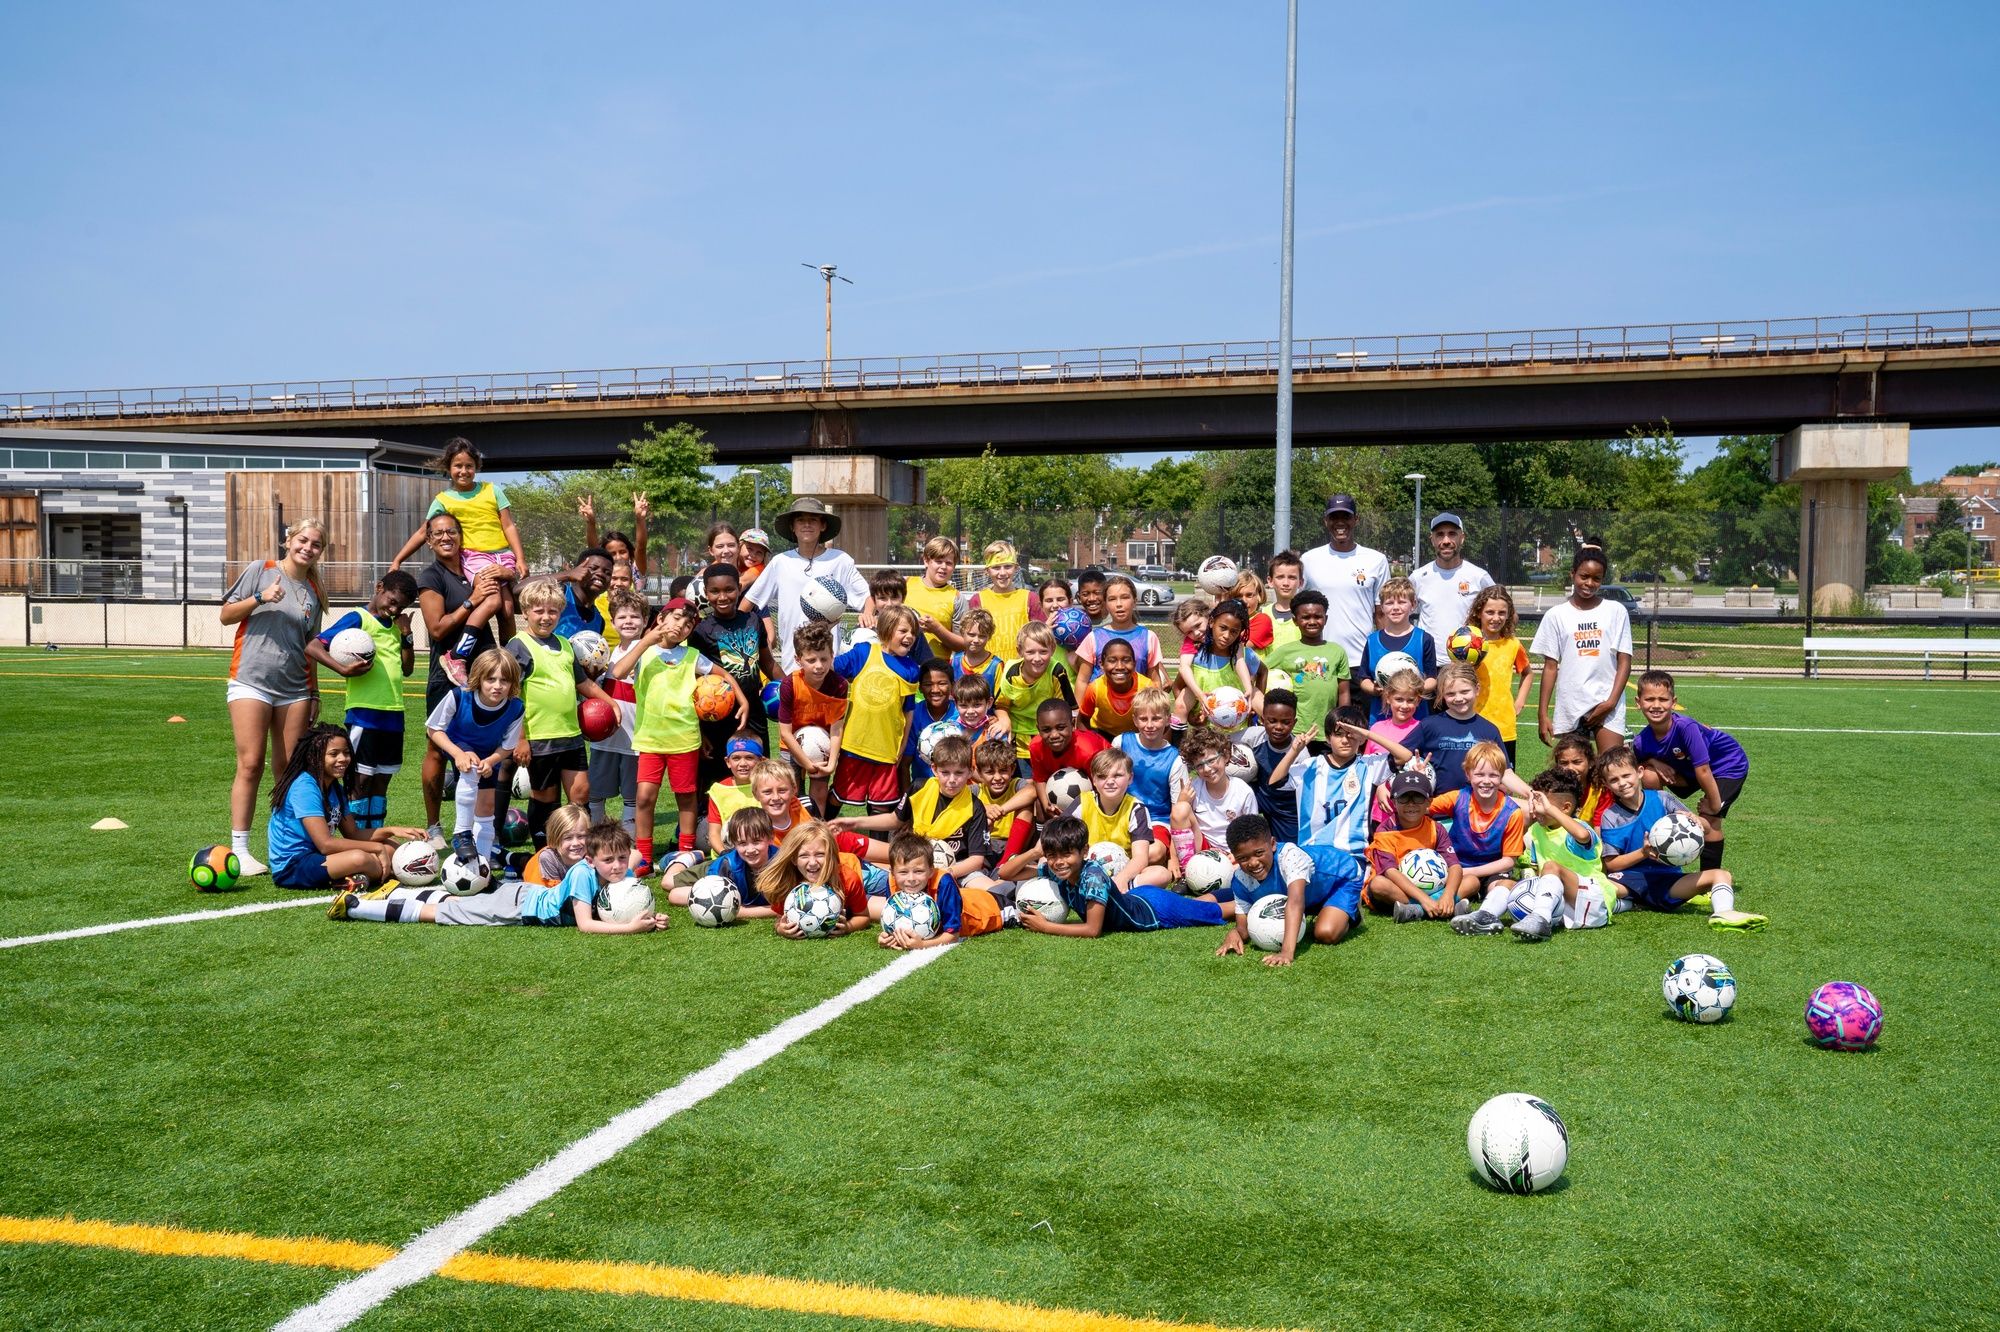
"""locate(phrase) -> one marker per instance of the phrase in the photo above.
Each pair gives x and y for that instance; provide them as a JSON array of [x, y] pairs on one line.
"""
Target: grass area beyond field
[[1128, 1126]]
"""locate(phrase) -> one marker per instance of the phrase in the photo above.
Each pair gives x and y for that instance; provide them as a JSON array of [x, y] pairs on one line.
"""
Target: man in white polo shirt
[[1447, 585], [1350, 575]]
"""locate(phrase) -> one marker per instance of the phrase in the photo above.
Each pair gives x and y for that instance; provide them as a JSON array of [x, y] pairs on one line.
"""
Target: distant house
[[1152, 542], [1981, 522], [1984, 486], [1919, 517]]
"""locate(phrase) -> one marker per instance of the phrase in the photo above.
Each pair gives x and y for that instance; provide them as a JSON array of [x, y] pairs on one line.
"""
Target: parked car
[[1622, 595], [1152, 593], [1158, 573]]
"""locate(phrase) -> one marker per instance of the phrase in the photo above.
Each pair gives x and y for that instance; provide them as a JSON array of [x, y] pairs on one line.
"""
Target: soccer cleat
[[454, 669], [642, 868], [1743, 922], [1462, 908], [1700, 902], [1009, 915], [377, 894], [464, 846], [342, 904], [248, 866], [357, 884], [1534, 929], [1479, 922], [435, 836], [1405, 912]]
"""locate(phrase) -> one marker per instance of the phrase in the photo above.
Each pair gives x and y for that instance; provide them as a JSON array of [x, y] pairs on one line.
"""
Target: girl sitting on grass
[[809, 855], [315, 843]]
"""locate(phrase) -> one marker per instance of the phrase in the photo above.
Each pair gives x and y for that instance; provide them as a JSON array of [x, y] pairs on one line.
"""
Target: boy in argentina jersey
[[1334, 790], [1323, 882]]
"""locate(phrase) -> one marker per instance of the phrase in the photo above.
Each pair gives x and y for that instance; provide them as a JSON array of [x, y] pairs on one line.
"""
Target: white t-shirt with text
[[1585, 645], [1444, 596], [1352, 581]]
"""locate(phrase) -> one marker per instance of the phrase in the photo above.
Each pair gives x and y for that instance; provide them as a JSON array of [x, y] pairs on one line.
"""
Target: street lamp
[[828, 272], [1417, 520]]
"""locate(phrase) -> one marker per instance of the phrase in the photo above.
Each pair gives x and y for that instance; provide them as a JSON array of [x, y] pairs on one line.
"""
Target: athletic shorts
[[239, 691], [1652, 889], [1344, 897], [546, 770], [305, 871], [676, 772], [860, 781], [476, 561], [499, 905], [376, 750], [436, 686], [1727, 787]]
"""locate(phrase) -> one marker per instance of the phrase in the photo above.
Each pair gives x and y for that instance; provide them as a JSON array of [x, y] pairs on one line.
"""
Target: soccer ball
[[214, 869], [623, 901], [1466, 644], [597, 719], [823, 599], [416, 864], [351, 645], [713, 901], [1241, 763], [1267, 922], [514, 829], [591, 651], [713, 698], [462, 878], [1207, 871], [1040, 896], [942, 855], [1226, 707], [1218, 575], [769, 698], [1698, 988], [1843, 1016], [928, 738], [1065, 790], [1425, 868], [1110, 855], [1395, 664], [815, 910], [1677, 838], [814, 742], [1070, 625], [522, 790], [915, 912], [1517, 1143]]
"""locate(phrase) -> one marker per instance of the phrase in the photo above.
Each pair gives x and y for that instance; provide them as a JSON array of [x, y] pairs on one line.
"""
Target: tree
[[1038, 503], [1973, 469], [1893, 564], [1755, 537], [1663, 521], [1170, 488], [1947, 548], [671, 467]]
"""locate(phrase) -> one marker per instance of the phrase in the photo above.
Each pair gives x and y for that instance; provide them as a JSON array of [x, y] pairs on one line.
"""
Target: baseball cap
[[1408, 780], [677, 603], [754, 536], [1447, 517], [1342, 503]]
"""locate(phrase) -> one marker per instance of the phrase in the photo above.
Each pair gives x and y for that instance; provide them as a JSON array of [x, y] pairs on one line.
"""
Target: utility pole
[[1281, 536], [1417, 521], [828, 272]]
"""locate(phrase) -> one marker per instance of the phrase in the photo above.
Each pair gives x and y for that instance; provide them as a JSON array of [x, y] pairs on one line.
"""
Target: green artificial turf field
[[1128, 1126]]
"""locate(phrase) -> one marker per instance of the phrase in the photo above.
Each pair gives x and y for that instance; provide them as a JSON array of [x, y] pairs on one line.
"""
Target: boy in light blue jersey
[[1159, 774], [1334, 790], [749, 836], [1098, 904], [607, 853], [1323, 882]]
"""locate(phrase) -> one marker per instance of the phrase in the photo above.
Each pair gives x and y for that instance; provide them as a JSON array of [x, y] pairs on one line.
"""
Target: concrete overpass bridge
[[848, 423]]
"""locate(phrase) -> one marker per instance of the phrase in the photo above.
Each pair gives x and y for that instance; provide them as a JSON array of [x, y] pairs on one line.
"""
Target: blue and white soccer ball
[[1425, 869], [823, 599], [1698, 988], [1518, 1143], [592, 652], [713, 901], [814, 910], [916, 912], [1677, 838], [927, 739]]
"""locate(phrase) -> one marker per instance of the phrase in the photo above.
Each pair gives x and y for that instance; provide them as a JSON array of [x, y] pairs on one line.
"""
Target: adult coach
[[1351, 576], [456, 612], [810, 526], [1447, 585], [273, 698]]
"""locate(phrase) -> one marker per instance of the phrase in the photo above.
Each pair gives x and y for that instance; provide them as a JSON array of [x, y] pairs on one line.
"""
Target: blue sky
[[217, 193]]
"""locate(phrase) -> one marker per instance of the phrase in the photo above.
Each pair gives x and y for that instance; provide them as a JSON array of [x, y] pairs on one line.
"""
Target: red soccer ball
[[598, 719]]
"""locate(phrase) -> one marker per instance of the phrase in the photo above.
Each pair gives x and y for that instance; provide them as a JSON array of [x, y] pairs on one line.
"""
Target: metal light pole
[[1416, 521], [756, 496], [1281, 536], [829, 273]]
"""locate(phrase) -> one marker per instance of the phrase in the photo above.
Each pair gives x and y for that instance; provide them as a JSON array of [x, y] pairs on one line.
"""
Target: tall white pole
[[1281, 537]]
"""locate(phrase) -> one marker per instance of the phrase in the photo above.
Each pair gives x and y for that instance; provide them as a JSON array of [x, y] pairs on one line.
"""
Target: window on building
[[65, 459], [1978, 522], [1140, 552]]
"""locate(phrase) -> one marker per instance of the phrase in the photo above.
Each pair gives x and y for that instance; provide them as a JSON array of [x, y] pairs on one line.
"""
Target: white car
[[1151, 593]]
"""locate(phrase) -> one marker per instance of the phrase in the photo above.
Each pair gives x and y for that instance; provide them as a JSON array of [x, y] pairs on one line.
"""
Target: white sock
[[1722, 898], [400, 906], [463, 803], [1543, 897], [239, 841], [482, 836], [1496, 900]]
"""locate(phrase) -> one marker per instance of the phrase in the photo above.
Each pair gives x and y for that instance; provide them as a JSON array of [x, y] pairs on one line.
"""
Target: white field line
[[185, 918], [1856, 730], [424, 1255]]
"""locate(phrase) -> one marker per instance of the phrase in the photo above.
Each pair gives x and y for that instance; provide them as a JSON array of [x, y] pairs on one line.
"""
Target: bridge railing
[[1312, 357]]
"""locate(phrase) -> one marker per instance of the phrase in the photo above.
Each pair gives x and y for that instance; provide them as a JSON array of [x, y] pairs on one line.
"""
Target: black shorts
[[435, 690], [546, 770], [376, 751], [1727, 787]]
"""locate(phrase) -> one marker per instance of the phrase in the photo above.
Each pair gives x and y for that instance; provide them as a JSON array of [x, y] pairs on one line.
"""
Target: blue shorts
[[1652, 889], [307, 871], [1342, 897], [1144, 908]]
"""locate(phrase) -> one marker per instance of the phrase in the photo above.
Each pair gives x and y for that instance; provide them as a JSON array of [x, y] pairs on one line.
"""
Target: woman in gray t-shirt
[[277, 608]]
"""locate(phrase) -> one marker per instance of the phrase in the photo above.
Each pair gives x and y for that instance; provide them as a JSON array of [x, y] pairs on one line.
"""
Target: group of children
[[979, 754]]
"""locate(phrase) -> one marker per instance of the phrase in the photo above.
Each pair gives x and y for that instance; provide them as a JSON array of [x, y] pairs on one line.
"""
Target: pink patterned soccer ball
[[1843, 1016]]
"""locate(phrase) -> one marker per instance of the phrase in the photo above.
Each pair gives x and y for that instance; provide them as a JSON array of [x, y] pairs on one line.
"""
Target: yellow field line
[[746, 1291]]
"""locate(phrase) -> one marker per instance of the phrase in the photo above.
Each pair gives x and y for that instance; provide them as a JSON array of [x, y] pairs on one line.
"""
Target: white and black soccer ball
[[814, 910], [622, 901], [1395, 663], [1518, 1143], [351, 645], [942, 856], [815, 742], [713, 901], [1065, 790], [1676, 837], [462, 877], [1242, 764], [927, 739], [1112, 856], [522, 790], [591, 651], [1041, 897], [1266, 922], [823, 599], [1425, 868], [916, 912], [416, 864], [1698, 988], [1218, 576], [1208, 871]]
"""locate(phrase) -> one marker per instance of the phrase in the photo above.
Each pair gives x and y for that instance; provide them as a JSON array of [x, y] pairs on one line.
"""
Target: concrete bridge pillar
[[861, 488], [1833, 465]]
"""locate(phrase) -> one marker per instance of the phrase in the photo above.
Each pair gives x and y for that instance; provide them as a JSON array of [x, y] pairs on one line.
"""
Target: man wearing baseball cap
[[1350, 575], [1447, 585]]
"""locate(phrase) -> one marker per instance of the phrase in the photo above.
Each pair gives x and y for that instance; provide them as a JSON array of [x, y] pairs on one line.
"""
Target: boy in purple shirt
[[1679, 754]]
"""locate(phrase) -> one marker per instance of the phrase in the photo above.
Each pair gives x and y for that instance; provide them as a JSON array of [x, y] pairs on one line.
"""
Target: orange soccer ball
[[714, 700]]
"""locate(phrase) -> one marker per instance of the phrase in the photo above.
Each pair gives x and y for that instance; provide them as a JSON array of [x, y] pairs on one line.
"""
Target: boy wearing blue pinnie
[[1323, 882]]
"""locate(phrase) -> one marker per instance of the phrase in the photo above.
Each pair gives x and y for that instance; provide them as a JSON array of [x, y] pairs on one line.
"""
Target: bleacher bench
[[1928, 649]]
